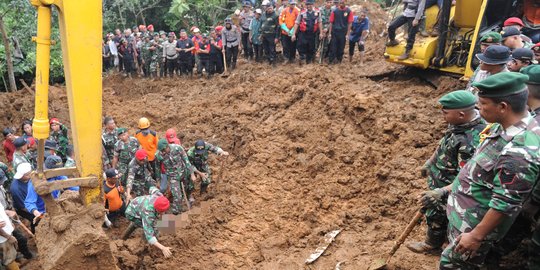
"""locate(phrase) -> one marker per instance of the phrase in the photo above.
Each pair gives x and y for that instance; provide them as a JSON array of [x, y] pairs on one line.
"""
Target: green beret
[[120, 131], [491, 37], [533, 71], [162, 144], [458, 100], [502, 84]]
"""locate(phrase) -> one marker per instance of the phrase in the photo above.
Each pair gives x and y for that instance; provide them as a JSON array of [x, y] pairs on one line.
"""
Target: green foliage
[[203, 13]]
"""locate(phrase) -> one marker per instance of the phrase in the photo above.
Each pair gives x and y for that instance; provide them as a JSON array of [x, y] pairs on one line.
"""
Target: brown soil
[[313, 149]]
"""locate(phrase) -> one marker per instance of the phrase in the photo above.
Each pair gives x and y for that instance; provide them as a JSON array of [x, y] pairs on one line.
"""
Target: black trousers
[[231, 55], [248, 50], [170, 66], [352, 45], [289, 47], [28, 216], [337, 46], [258, 51], [269, 45], [306, 46], [398, 22], [215, 63], [113, 216], [186, 66], [22, 243], [204, 63], [129, 66], [120, 63]]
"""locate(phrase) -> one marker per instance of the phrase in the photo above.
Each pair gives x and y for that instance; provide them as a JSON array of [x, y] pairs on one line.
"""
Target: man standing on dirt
[[245, 20], [139, 178], [198, 156], [412, 14], [180, 172], [254, 35], [359, 32], [184, 47], [143, 212], [341, 20], [454, 150], [269, 32], [487, 195], [109, 139], [230, 37], [287, 19], [148, 140], [529, 216], [307, 26], [124, 151], [325, 19], [170, 55]]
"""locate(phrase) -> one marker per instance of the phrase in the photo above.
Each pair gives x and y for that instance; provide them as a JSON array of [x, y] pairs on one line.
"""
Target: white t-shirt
[[9, 226]]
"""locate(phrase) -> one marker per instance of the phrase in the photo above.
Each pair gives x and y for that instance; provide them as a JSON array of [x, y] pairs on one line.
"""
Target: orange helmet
[[144, 122]]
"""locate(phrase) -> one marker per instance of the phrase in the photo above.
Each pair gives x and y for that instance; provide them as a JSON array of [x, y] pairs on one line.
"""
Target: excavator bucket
[[69, 235]]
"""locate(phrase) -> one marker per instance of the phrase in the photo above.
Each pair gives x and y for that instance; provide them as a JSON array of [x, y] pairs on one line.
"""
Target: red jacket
[[9, 148]]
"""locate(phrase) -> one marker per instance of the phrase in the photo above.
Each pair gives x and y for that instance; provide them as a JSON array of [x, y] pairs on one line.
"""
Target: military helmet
[[228, 20]]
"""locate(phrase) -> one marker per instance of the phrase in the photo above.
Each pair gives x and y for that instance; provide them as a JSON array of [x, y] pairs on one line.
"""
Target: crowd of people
[[144, 177], [484, 198], [302, 29]]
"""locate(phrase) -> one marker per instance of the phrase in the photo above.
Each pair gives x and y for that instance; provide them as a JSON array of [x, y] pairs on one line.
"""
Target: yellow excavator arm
[[80, 33]]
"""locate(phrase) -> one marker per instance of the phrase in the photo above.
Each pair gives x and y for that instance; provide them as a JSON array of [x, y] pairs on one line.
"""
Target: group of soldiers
[[483, 196], [301, 28], [144, 175]]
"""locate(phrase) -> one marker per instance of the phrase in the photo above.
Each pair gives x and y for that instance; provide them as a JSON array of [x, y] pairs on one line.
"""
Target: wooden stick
[[27, 87], [48, 187]]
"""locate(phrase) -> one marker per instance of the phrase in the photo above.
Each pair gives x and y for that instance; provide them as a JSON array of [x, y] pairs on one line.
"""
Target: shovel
[[381, 263], [225, 74]]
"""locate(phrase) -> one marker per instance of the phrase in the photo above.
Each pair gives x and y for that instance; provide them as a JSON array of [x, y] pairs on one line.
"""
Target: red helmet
[[54, 120], [513, 21], [161, 204]]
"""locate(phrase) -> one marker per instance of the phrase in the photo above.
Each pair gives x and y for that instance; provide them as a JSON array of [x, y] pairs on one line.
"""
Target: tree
[[203, 13], [7, 51]]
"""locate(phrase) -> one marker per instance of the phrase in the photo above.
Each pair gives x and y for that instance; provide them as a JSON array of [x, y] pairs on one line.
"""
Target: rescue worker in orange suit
[[287, 19], [148, 140], [341, 20], [306, 27], [112, 191]]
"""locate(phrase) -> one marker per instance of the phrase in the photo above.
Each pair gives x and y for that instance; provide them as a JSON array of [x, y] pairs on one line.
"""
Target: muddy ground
[[313, 149]]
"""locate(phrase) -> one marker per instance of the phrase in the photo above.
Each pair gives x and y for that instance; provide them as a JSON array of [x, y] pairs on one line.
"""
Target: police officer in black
[[306, 28]]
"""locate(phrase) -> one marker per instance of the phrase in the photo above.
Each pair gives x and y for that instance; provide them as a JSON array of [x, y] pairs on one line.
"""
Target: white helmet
[[258, 11], [266, 3]]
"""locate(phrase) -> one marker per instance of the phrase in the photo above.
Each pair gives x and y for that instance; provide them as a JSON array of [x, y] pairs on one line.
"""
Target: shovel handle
[[403, 236]]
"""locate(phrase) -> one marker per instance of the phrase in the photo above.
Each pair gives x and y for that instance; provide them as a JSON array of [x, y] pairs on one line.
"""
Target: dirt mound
[[74, 238]]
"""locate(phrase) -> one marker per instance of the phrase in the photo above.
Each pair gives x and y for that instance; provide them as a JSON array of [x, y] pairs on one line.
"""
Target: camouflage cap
[[120, 131], [458, 99], [491, 37], [502, 84], [533, 71]]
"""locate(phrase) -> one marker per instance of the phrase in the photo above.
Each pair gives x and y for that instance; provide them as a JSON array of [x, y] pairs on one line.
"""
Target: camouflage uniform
[[139, 178], [109, 140], [70, 162], [155, 57], [146, 55], [201, 162], [141, 212], [32, 156], [61, 139], [454, 150], [499, 176], [325, 18], [178, 168], [6, 175], [18, 158], [125, 152]]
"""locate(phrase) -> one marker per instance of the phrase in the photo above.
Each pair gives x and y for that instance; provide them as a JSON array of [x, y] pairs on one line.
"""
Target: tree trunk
[[9, 61]]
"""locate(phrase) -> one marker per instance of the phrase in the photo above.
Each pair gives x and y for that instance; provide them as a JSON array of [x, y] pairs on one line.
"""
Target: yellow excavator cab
[[460, 27]]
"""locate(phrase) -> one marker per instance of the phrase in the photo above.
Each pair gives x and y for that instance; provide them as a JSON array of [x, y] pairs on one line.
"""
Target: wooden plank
[[69, 171], [48, 187]]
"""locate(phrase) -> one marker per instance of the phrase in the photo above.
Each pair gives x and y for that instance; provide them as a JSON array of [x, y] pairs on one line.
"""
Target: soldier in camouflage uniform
[[144, 212], [487, 195], [198, 156], [6, 175], [146, 55], [124, 152], [59, 134], [179, 171], [156, 54], [139, 178], [325, 18], [108, 138], [20, 155], [530, 216], [454, 150]]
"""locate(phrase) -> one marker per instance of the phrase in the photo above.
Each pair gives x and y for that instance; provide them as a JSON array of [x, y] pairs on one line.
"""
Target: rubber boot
[[13, 266], [422, 248], [392, 43], [129, 230], [203, 188]]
